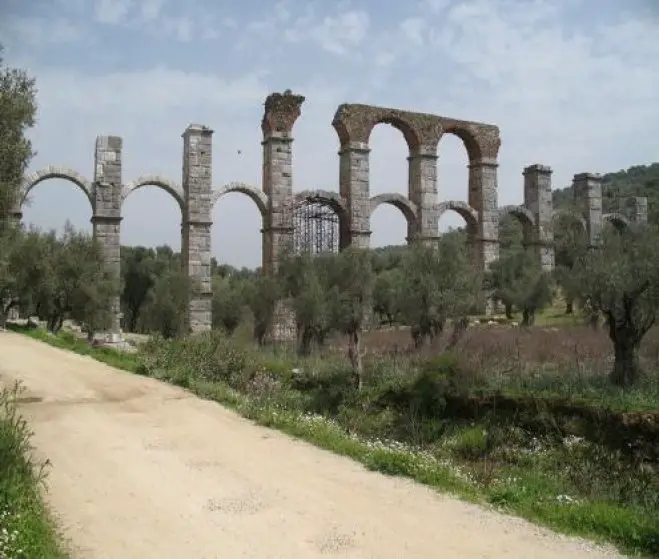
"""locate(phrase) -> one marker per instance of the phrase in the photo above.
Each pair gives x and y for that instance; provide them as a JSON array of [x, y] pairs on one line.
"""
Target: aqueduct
[[352, 204]]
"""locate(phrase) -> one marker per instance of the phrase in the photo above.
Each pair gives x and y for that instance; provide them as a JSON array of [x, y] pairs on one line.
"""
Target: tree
[[305, 281], [385, 294], [17, 113], [571, 244], [262, 294], [439, 284], [519, 280], [74, 283], [621, 279], [228, 305], [352, 283], [167, 308]]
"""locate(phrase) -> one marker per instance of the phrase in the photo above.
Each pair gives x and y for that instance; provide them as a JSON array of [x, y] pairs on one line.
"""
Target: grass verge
[[26, 529], [567, 486]]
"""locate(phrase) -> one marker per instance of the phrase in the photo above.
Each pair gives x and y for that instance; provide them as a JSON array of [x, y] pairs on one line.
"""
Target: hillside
[[640, 180]]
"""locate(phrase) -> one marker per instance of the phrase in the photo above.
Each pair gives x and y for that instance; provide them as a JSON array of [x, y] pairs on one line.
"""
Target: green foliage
[[25, 528], [438, 284], [517, 279], [621, 279], [17, 114], [167, 308], [228, 305], [262, 294]]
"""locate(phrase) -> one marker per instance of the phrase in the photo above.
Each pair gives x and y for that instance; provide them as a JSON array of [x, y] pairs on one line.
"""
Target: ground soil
[[141, 469]]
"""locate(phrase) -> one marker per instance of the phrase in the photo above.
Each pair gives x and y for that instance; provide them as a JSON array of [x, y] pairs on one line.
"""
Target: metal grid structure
[[316, 228]]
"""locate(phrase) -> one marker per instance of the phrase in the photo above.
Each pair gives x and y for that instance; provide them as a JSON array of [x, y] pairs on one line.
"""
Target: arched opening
[[236, 241], [452, 177], [388, 174], [516, 229], [154, 291], [316, 227], [236, 234], [467, 229], [50, 206]]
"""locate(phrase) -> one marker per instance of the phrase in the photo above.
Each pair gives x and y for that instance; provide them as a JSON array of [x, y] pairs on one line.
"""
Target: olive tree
[[519, 281], [262, 294], [352, 281], [17, 114], [620, 278], [438, 284]]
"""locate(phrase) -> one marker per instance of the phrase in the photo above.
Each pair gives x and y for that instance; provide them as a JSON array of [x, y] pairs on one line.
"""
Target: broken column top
[[197, 129]]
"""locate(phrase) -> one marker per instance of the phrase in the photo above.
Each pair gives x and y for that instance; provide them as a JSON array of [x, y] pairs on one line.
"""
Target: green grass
[[533, 485], [26, 530]]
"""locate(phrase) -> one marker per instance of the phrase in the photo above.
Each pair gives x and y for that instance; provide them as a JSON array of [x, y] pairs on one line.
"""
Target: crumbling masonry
[[353, 203]]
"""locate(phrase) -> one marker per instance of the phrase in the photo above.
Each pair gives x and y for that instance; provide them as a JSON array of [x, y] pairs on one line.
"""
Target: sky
[[573, 84]]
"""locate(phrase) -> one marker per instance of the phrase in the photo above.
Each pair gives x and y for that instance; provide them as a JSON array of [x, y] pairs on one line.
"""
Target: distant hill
[[640, 180]]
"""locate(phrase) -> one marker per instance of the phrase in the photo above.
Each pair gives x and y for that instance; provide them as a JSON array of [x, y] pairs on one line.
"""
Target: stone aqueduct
[[353, 203]]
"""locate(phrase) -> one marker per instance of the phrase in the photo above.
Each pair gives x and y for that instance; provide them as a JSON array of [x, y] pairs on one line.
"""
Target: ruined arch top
[[521, 213], [464, 210], [422, 131], [256, 195], [52, 172], [172, 188], [328, 198], [398, 201]]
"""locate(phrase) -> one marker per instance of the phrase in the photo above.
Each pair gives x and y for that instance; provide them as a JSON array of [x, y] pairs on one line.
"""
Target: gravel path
[[141, 469]]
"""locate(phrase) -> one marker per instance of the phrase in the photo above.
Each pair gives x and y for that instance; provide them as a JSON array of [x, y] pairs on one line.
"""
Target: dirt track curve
[[141, 469]]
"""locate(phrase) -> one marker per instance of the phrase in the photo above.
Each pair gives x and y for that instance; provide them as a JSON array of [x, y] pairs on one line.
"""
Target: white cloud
[[112, 12], [150, 9], [40, 31]]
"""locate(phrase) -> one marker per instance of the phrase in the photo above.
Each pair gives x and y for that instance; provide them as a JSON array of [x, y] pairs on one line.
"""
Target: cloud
[[569, 88], [112, 12], [39, 31]]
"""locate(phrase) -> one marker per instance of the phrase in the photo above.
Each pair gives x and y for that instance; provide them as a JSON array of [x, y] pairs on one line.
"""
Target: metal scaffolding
[[316, 228]]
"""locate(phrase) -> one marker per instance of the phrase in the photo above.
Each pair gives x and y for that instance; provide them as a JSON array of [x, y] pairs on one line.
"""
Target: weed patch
[[25, 528]]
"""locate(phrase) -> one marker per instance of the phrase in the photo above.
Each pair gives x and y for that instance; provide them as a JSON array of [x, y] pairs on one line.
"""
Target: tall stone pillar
[[483, 198], [538, 200], [423, 193], [106, 217], [281, 112], [354, 189], [587, 190], [196, 225]]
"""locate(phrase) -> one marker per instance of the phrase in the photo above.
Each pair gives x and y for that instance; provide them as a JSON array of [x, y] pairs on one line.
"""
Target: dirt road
[[145, 470]]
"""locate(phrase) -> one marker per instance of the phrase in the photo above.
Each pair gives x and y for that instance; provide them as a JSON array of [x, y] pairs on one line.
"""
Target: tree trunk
[[569, 306], [528, 317], [627, 366], [355, 354], [509, 311]]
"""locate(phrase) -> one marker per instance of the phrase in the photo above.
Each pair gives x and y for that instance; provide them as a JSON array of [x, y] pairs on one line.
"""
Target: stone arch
[[256, 195], [400, 202], [328, 225], [619, 221], [574, 216], [524, 217], [355, 122], [469, 139], [172, 188], [469, 214], [52, 172], [522, 214], [325, 197]]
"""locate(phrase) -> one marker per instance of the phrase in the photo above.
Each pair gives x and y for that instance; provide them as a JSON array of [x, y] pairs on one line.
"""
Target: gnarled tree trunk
[[355, 355]]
